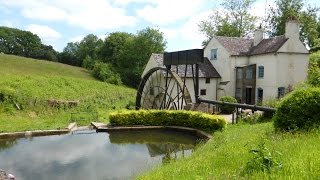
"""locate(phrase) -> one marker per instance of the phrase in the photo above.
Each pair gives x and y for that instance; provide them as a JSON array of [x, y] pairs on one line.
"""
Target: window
[[238, 93], [239, 73], [281, 91], [203, 92], [214, 54], [207, 80], [260, 96], [260, 71], [249, 73]]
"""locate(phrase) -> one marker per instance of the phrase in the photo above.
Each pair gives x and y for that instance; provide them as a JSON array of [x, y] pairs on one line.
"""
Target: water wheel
[[161, 88]]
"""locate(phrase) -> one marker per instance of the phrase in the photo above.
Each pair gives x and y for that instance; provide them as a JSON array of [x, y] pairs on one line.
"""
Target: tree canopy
[[233, 21], [304, 13], [24, 43]]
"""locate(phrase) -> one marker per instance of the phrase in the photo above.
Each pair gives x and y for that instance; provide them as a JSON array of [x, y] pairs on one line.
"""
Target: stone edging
[[196, 132], [33, 133]]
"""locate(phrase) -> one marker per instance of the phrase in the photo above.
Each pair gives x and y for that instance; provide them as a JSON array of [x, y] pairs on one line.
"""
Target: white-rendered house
[[252, 70], [258, 69]]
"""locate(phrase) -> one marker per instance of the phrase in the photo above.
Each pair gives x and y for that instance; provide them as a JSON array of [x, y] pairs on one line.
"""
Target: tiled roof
[[242, 46], [268, 45], [205, 69], [235, 45]]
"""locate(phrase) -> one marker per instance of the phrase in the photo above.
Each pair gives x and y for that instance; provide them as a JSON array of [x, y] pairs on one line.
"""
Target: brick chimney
[[258, 36], [292, 28]]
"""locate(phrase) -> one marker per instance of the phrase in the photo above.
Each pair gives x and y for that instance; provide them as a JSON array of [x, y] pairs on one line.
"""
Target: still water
[[89, 155]]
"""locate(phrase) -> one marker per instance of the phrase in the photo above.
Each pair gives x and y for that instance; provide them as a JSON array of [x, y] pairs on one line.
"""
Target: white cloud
[[76, 38], [165, 12], [47, 34], [90, 15], [169, 32]]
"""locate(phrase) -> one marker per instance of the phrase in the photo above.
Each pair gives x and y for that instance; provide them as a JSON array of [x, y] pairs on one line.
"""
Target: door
[[248, 95]]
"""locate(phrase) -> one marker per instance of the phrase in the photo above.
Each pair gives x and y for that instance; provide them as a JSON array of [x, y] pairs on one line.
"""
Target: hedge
[[299, 110], [190, 119]]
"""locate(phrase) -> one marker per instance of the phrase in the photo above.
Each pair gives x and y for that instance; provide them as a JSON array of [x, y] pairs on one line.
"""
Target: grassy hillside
[[10, 65], [28, 87]]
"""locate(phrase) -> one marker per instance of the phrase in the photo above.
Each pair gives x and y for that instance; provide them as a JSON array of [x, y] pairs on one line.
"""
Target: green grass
[[226, 156], [11, 65], [31, 83]]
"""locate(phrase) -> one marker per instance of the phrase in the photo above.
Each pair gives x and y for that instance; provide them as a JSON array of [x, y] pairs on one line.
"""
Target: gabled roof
[[235, 45], [268, 45], [206, 69], [244, 47]]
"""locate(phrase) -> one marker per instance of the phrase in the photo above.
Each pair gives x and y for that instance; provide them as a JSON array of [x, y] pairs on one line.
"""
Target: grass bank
[[227, 154], [27, 86]]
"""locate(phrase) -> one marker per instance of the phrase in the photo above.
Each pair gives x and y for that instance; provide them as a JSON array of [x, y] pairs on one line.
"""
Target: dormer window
[[214, 54]]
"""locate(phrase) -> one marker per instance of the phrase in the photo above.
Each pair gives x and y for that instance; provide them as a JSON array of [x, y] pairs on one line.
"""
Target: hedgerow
[[168, 118], [300, 110]]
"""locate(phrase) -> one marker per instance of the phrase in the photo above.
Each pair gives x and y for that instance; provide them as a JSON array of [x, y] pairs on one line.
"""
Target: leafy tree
[[89, 46], [307, 16], [234, 21], [104, 72], [24, 43], [70, 54], [137, 52], [113, 47]]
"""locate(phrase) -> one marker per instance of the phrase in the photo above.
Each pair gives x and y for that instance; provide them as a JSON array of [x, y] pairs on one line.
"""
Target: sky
[[58, 22]]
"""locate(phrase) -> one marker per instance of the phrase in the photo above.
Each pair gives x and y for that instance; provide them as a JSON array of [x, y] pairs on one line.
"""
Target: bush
[[104, 72], [227, 109], [314, 69], [299, 110], [168, 118]]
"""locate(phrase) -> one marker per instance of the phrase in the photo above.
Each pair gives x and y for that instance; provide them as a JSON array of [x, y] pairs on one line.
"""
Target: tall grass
[[227, 154], [29, 84]]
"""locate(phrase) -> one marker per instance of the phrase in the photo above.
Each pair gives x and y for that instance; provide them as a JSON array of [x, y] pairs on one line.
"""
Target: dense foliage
[[314, 69], [299, 110], [24, 43], [126, 54], [306, 15], [168, 118], [233, 21], [227, 109], [104, 72]]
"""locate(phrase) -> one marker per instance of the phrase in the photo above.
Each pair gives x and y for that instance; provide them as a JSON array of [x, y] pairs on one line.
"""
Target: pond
[[90, 155]]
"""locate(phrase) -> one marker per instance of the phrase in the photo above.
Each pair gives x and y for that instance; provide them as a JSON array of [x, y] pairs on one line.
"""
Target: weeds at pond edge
[[262, 160]]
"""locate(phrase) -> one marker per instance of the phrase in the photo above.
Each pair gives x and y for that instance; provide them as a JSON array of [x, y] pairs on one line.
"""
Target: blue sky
[[58, 22]]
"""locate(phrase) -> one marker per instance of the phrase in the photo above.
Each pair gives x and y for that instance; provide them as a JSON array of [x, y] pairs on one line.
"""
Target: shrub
[[299, 110], [227, 109], [104, 72], [314, 69], [273, 103], [168, 118]]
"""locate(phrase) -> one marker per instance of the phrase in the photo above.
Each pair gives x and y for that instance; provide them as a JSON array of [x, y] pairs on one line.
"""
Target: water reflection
[[92, 156]]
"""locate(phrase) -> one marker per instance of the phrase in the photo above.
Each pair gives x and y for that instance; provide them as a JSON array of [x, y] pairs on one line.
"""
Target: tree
[[234, 21], [70, 54], [89, 46], [113, 46], [24, 43], [137, 52], [307, 16]]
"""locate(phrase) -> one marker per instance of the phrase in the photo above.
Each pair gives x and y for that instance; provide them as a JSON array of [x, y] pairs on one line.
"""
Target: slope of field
[[33, 95], [10, 64]]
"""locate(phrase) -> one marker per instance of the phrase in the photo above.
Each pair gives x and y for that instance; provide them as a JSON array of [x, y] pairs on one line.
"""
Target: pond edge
[[104, 128]]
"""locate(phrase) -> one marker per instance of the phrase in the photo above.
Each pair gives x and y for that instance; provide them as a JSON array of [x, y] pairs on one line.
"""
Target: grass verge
[[227, 154]]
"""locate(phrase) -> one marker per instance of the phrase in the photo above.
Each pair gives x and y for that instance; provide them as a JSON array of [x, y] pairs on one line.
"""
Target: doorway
[[249, 95]]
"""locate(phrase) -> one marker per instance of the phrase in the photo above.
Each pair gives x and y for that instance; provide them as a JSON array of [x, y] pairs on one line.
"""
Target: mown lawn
[[227, 154]]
